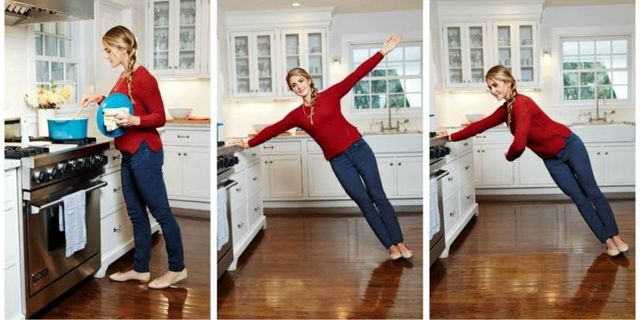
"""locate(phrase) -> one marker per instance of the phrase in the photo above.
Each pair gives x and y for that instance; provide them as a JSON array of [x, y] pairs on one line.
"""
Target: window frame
[[594, 38], [373, 47]]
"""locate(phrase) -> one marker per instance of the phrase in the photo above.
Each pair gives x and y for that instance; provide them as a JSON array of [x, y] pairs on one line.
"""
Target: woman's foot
[[404, 251], [168, 279], [394, 253], [623, 247], [130, 275], [612, 249]]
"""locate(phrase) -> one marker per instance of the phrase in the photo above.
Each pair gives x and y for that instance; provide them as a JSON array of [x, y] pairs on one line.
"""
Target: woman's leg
[[350, 180], [147, 173], [138, 216]]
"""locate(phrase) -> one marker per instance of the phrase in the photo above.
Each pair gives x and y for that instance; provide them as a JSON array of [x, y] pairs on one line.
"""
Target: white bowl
[[259, 127], [473, 117], [180, 113]]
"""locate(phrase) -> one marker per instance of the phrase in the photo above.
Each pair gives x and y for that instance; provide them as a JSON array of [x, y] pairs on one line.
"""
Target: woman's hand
[[390, 43], [240, 143], [124, 119], [443, 133], [88, 99]]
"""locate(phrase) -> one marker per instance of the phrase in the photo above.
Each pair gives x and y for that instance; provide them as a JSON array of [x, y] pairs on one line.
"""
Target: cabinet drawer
[[115, 230], [460, 147], [239, 224], [186, 137], [465, 168], [114, 159], [111, 197], [238, 193], [254, 210], [467, 197], [451, 211], [450, 182], [254, 182], [281, 147], [493, 136], [247, 157]]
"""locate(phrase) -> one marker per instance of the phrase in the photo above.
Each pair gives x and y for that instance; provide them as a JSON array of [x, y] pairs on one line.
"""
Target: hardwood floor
[[305, 266], [106, 299], [535, 260]]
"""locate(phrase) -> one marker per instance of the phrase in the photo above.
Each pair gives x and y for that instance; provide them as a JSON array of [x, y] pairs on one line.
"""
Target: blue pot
[[67, 128]]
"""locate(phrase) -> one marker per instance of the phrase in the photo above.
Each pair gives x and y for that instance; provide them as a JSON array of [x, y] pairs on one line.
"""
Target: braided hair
[[500, 72], [123, 38]]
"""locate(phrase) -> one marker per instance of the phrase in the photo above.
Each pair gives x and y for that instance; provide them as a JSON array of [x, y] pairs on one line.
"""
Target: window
[[394, 83], [596, 67], [56, 61]]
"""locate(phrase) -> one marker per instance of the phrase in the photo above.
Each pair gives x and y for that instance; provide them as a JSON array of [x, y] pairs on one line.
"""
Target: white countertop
[[11, 164]]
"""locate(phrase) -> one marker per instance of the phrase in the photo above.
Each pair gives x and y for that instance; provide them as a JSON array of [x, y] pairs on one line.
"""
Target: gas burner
[[14, 152], [79, 142]]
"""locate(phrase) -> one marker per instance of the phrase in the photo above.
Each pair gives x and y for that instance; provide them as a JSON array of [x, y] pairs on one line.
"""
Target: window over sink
[[56, 56], [394, 83]]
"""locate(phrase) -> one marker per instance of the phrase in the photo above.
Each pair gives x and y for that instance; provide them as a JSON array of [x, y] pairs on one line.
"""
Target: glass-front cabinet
[[465, 54], [516, 47], [252, 56], [176, 30], [305, 49]]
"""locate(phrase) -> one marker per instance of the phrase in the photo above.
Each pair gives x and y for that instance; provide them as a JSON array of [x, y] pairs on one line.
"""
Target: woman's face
[[499, 89], [300, 86], [116, 56]]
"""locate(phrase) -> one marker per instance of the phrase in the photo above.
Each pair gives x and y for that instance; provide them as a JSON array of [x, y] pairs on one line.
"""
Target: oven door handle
[[229, 183], [441, 174], [36, 209]]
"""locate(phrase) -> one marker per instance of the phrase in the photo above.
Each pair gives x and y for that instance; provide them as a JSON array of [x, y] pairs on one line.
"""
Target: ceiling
[[559, 3], [340, 6]]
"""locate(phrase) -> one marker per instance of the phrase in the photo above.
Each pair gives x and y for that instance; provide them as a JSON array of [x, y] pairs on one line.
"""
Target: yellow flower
[[48, 98]]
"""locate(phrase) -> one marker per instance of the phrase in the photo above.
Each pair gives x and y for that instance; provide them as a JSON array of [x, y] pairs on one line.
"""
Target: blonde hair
[[303, 73], [122, 38], [500, 72]]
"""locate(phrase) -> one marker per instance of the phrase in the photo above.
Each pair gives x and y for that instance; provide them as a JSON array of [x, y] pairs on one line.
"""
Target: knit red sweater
[[147, 104], [530, 127], [330, 130]]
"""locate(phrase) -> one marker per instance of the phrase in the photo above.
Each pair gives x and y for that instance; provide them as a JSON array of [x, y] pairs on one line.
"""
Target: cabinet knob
[[606, 152], [391, 164], [450, 179], [179, 154], [466, 167], [240, 225], [253, 154], [452, 213], [184, 154], [117, 229], [238, 189], [266, 162], [466, 144], [271, 161], [468, 196], [482, 151], [116, 157], [256, 209], [255, 178], [117, 189], [598, 153], [399, 163]]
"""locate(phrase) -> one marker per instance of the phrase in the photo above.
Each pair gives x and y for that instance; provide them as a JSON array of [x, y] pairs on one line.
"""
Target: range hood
[[38, 11]]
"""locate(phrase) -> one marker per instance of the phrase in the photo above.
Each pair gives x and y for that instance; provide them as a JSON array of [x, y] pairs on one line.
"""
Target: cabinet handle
[[270, 162], [478, 151], [238, 189], [466, 144], [185, 137], [399, 163], [179, 154], [468, 196], [391, 164], [450, 179], [482, 151], [116, 157], [598, 153], [117, 229], [256, 209], [466, 167], [266, 162], [117, 189], [452, 213], [184, 154], [240, 225], [253, 154], [267, 147], [606, 153], [255, 178]]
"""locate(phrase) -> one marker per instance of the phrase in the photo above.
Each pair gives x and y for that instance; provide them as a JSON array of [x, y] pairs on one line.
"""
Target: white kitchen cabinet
[[532, 172], [282, 176], [307, 49], [398, 174], [465, 54], [187, 166], [178, 37], [253, 64], [516, 47], [13, 288], [613, 165], [492, 168], [323, 182]]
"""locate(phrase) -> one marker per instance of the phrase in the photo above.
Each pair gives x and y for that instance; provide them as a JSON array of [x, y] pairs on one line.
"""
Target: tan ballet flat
[[128, 276], [157, 284]]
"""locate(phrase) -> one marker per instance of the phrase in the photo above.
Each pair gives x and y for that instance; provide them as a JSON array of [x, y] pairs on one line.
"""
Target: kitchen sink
[[609, 132]]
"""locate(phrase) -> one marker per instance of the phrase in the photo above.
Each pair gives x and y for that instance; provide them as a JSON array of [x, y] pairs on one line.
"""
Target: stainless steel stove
[[226, 161], [437, 153]]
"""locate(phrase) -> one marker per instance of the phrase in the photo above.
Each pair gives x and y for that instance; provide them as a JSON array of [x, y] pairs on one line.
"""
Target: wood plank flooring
[[535, 260], [310, 266], [105, 299]]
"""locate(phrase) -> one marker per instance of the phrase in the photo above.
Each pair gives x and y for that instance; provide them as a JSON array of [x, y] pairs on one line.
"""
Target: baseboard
[[546, 197], [400, 210], [191, 213]]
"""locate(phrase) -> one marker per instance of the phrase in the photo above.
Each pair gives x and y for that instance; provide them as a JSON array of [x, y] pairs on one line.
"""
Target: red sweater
[[330, 130], [530, 126], [147, 104]]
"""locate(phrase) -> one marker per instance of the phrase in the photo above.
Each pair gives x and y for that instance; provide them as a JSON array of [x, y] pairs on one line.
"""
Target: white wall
[[195, 94], [19, 74], [239, 117], [574, 20]]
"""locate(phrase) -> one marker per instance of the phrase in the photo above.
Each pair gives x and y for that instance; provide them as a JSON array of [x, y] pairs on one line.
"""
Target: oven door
[[437, 242], [45, 243], [225, 254]]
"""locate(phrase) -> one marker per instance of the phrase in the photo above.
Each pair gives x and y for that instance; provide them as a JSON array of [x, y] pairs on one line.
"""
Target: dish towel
[[110, 117], [223, 225], [434, 212], [75, 228]]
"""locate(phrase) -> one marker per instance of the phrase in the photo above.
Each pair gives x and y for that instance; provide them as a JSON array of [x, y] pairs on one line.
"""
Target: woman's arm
[[273, 130], [341, 88], [479, 126], [145, 91], [522, 118]]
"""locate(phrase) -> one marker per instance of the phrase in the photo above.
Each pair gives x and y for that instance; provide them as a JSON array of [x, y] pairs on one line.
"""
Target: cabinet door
[[172, 170], [504, 39], [240, 64], [315, 57], [465, 168], [285, 175], [196, 166], [239, 225], [453, 55], [527, 53], [476, 55], [387, 169], [409, 172], [532, 171], [188, 37], [596, 157], [161, 33], [496, 170], [264, 64], [305, 49], [465, 54], [322, 180], [619, 165]]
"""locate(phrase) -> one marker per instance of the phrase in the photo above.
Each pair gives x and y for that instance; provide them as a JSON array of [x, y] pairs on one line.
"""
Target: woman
[[142, 158], [564, 154], [352, 161]]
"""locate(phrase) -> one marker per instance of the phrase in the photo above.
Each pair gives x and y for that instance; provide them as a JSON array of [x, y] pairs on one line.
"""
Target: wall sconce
[[336, 65], [546, 58]]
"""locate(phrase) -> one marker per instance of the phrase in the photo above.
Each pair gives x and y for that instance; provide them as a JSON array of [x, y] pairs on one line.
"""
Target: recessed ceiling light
[[296, 4]]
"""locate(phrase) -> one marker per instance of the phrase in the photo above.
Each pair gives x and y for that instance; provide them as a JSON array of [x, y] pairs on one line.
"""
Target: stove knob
[[103, 159], [74, 165], [54, 173], [41, 176], [235, 161], [93, 162]]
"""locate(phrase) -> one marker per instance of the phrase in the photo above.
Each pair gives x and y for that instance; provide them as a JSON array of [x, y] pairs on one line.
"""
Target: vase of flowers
[[46, 101]]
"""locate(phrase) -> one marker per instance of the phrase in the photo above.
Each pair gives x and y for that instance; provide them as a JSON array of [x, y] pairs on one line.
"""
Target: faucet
[[597, 118], [390, 127]]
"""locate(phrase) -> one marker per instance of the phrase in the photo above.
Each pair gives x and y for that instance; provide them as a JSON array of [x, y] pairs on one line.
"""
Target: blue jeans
[[571, 170], [142, 187], [357, 171]]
